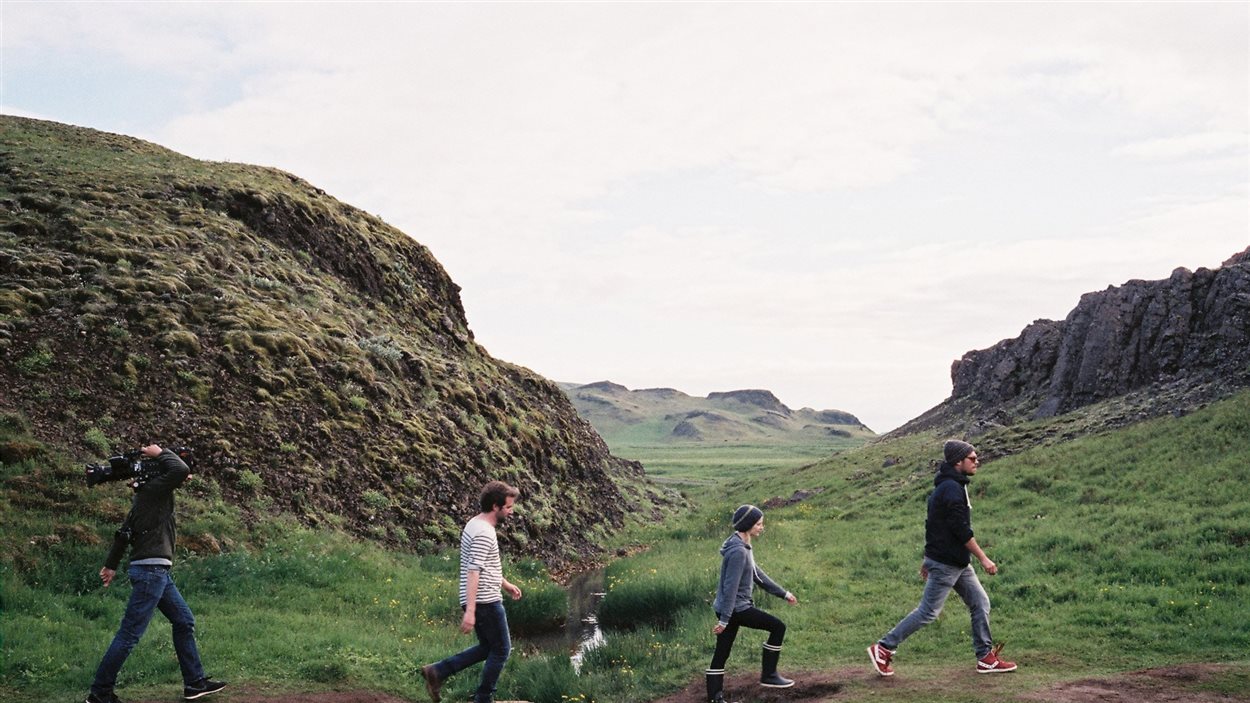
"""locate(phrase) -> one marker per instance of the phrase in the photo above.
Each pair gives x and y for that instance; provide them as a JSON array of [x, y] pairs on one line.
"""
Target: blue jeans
[[151, 588], [494, 644], [943, 578]]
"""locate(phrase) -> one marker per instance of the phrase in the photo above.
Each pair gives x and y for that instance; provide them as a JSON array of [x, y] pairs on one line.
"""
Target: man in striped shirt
[[481, 580]]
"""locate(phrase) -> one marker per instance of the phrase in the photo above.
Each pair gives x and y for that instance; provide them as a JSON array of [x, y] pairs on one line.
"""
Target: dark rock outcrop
[[604, 386], [771, 420], [836, 417], [797, 497], [1188, 335], [662, 392], [706, 416]]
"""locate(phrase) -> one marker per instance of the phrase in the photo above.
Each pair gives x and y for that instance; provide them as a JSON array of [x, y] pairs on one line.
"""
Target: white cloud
[[1189, 145]]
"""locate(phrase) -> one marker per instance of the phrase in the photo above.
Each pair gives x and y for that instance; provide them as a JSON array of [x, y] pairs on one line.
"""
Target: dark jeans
[[943, 578], [151, 588], [753, 618], [494, 644]]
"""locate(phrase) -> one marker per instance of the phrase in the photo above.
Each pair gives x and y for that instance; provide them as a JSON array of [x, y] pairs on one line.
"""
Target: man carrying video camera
[[148, 532]]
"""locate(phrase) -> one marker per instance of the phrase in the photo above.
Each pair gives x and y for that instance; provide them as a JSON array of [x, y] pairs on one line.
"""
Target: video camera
[[133, 466]]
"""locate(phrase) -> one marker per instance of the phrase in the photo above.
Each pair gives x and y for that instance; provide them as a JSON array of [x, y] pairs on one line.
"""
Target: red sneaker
[[993, 664], [880, 658]]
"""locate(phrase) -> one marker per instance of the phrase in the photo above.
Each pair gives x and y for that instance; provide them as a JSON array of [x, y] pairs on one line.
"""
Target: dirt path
[[1190, 683], [810, 686]]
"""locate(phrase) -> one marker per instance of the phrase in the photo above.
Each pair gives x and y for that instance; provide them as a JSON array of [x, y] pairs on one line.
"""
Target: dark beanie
[[955, 450], [746, 516]]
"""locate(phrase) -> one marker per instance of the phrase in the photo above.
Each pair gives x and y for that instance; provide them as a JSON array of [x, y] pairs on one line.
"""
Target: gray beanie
[[746, 516], [955, 450]]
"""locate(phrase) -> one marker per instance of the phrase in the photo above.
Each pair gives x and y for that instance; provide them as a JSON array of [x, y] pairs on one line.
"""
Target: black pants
[[753, 618]]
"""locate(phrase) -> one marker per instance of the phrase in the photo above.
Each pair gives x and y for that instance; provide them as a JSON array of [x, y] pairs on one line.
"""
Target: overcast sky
[[830, 201]]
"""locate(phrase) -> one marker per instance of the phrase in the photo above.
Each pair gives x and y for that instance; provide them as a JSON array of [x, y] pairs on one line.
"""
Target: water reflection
[[581, 632], [594, 640]]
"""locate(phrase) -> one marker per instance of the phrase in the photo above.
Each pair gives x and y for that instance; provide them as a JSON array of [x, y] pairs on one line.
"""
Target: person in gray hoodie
[[735, 608]]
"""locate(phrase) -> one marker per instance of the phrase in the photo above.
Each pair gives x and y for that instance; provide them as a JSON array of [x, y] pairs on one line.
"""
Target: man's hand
[[151, 451], [106, 575], [718, 629], [468, 621], [924, 572], [791, 598], [512, 590], [990, 567]]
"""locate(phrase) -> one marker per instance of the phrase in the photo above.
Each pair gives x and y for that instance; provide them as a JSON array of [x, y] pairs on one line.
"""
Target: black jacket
[[948, 526], [149, 528]]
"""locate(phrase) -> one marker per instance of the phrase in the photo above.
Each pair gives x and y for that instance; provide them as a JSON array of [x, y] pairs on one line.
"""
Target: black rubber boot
[[715, 682], [768, 671]]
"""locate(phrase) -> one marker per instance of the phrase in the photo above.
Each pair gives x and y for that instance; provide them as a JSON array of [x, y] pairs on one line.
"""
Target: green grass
[[1137, 539], [315, 605], [649, 598], [705, 465], [1119, 551]]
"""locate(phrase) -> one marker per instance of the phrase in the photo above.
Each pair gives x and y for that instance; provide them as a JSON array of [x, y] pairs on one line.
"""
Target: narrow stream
[[581, 631]]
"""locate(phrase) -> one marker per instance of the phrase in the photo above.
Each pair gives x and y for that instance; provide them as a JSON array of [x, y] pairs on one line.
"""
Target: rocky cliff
[[1172, 343], [317, 359]]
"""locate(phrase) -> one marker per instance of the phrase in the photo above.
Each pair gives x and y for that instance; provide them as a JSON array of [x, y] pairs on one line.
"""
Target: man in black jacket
[[149, 534], [949, 542]]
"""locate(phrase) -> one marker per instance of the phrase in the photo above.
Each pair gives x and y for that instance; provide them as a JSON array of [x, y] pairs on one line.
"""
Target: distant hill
[[657, 416], [318, 359]]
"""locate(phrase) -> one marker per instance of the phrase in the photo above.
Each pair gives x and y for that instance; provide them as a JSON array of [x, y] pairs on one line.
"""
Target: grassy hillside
[[688, 440], [1119, 550], [317, 359]]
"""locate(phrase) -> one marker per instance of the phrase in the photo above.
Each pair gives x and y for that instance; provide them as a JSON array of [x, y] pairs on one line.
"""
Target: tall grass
[[655, 599], [543, 605]]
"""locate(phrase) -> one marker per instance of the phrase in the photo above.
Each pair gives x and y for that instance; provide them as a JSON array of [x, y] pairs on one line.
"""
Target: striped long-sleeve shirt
[[479, 551]]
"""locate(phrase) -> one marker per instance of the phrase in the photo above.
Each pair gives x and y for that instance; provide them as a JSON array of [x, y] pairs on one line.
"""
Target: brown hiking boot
[[432, 683]]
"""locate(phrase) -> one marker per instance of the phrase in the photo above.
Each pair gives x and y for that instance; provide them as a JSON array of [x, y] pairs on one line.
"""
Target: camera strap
[[127, 529]]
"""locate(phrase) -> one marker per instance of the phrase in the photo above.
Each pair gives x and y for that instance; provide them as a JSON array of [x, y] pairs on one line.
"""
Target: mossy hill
[[666, 415], [316, 358]]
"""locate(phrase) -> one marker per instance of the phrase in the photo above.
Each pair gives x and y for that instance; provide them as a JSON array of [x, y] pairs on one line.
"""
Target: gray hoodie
[[738, 576]]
